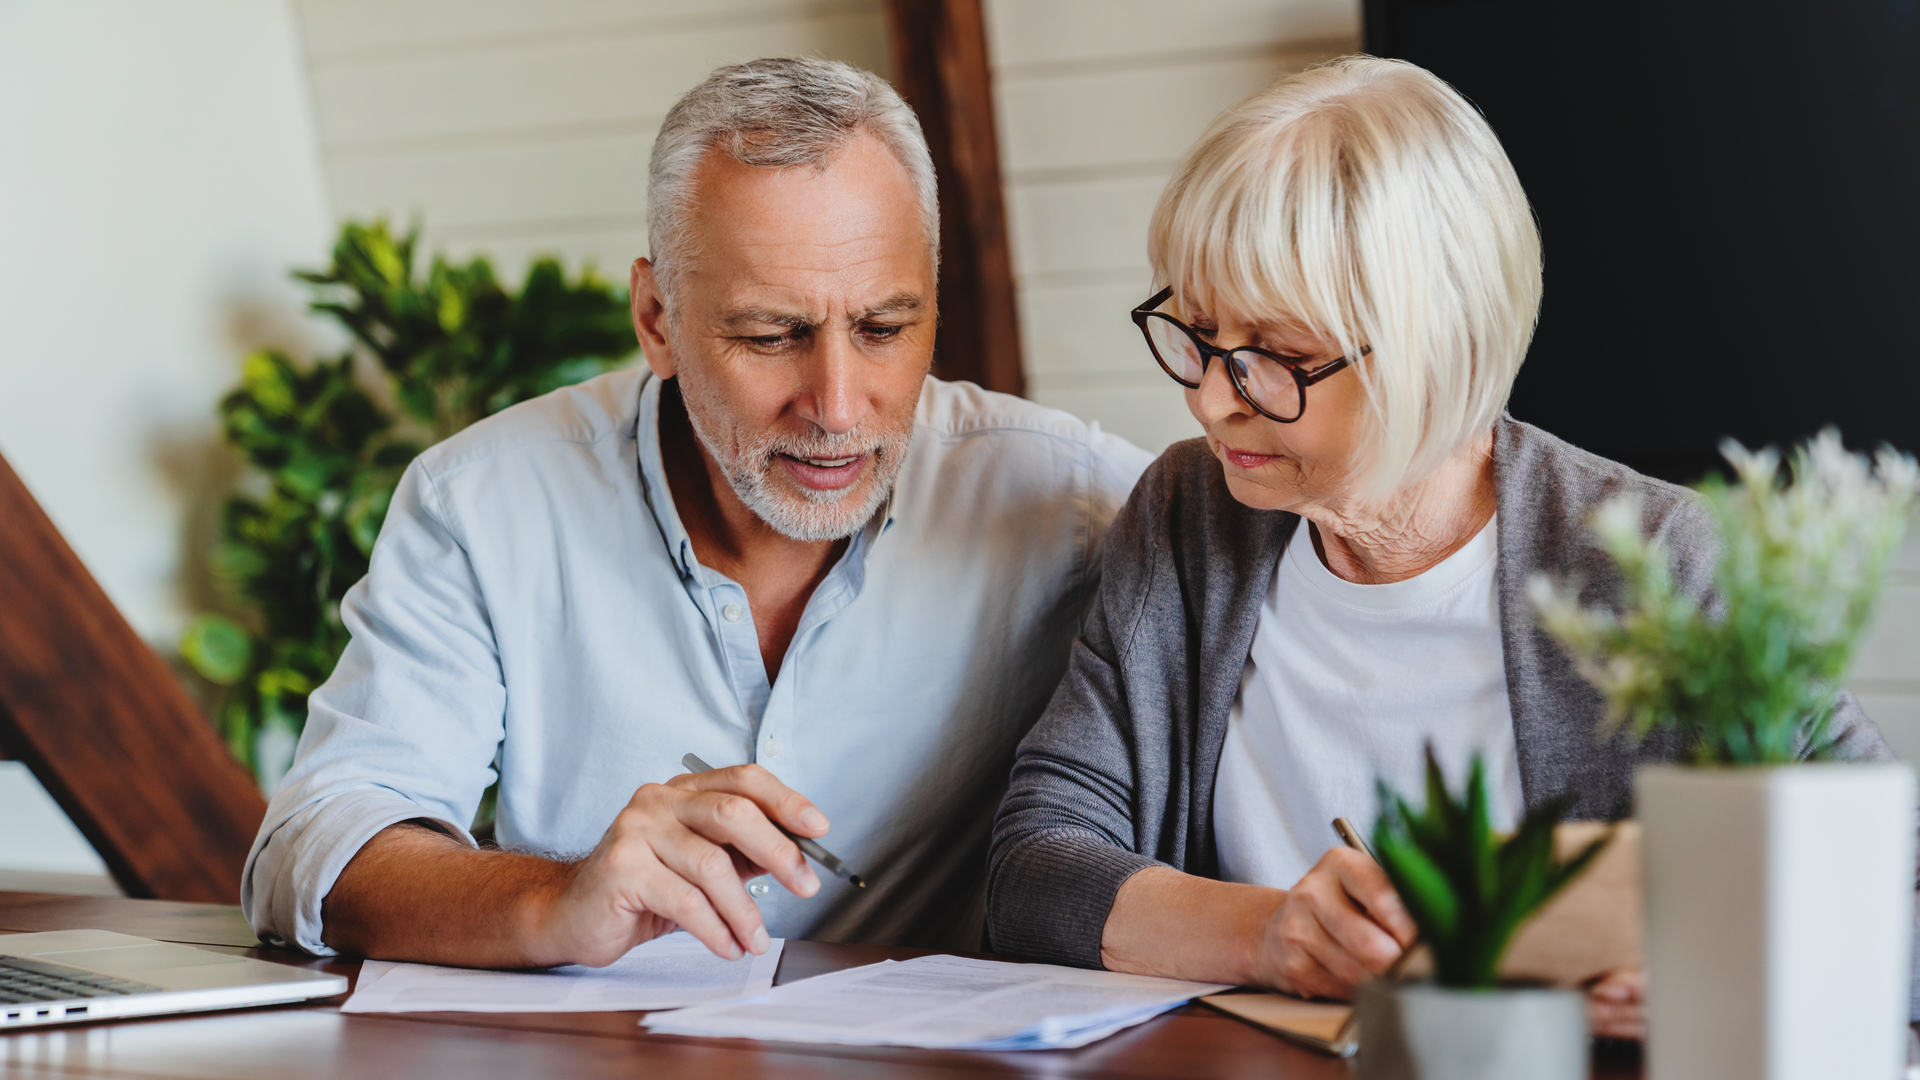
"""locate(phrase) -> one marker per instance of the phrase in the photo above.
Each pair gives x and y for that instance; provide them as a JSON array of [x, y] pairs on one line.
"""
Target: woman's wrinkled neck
[[1413, 530]]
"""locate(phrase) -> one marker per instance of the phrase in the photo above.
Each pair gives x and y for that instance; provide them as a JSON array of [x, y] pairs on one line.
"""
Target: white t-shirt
[[1347, 683]]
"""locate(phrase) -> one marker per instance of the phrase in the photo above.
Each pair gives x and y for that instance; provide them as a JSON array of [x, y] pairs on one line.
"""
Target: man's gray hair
[[776, 114]]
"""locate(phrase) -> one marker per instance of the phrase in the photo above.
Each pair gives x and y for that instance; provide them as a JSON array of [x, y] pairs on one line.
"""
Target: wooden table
[[318, 1040]]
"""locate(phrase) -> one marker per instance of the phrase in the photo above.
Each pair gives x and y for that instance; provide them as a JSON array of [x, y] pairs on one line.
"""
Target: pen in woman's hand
[[1351, 837]]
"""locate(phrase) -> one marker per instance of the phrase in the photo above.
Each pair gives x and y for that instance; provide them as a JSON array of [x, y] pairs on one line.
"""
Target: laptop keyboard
[[22, 981]]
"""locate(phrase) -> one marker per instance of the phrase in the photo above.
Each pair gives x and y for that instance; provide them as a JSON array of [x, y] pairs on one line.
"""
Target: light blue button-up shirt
[[534, 611]]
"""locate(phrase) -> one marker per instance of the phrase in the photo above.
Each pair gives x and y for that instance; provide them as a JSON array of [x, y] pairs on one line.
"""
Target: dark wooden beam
[[940, 65], [107, 728]]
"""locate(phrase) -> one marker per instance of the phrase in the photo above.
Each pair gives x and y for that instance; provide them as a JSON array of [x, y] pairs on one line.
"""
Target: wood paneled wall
[[942, 69]]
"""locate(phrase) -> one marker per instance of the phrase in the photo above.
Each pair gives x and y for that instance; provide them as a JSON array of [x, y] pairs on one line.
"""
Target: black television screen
[[1729, 198]]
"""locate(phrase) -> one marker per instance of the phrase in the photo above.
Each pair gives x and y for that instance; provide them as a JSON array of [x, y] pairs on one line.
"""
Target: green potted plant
[[447, 343], [1779, 881], [1469, 889]]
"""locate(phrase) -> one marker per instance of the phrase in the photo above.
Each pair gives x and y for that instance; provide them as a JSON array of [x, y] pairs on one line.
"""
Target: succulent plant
[[1466, 887]]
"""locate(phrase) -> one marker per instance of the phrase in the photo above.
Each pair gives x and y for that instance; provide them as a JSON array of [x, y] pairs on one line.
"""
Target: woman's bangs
[[1247, 242]]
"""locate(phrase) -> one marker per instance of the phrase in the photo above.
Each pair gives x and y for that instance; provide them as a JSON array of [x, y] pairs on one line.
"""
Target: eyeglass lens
[[1266, 382]]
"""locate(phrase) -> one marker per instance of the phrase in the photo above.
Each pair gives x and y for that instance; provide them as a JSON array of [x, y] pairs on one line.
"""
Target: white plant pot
[[1779, 908], [1418, 1031]]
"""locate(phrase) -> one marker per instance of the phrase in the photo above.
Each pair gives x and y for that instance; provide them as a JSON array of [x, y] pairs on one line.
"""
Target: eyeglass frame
[[1302, 376]]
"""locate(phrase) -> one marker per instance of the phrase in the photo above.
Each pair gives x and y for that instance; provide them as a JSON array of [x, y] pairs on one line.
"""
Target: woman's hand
[[1617, 1004], [1340, 925]]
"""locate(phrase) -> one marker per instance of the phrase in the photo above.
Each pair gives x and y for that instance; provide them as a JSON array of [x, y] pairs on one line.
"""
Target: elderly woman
[[1335, 576]]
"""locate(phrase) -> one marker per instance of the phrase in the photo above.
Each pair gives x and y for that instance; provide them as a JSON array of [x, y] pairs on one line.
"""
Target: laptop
[[72, 976]]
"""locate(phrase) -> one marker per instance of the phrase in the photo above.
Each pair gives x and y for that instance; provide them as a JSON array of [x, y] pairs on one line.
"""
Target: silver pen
[[812, 849]]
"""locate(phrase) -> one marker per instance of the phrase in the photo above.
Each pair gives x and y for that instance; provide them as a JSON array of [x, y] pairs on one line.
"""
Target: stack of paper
[[942, 1001], [665, 973]]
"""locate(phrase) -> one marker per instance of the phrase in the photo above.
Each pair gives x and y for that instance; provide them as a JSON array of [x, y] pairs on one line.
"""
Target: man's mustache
[[852, 444]]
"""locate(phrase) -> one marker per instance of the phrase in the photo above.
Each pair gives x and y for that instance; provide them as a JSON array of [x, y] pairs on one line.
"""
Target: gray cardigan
[[1118, 774]]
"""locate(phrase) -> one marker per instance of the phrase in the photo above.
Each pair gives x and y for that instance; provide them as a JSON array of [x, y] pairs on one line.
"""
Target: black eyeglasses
[[1275, 385]]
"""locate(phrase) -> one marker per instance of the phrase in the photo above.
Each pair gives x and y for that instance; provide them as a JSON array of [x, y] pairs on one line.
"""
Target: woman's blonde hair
[[1367, 201]]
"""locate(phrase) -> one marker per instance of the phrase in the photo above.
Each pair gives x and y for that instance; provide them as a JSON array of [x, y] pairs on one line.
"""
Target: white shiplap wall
[[1097, 100], [519, 127]]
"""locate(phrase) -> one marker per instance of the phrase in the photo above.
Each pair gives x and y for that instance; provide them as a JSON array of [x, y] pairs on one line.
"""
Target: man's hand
[[1341, 925], [675, 857], [678, 856]]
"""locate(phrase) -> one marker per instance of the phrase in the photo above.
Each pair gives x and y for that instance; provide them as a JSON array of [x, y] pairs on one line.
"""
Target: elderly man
[[784, 548]]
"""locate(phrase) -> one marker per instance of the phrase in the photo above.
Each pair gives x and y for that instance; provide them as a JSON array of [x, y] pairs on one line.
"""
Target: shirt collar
[[889, 511], [653, 485], [653, 478]]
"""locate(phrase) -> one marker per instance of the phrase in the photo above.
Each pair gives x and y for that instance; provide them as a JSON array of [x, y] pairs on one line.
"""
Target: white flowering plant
[[1751, 675]]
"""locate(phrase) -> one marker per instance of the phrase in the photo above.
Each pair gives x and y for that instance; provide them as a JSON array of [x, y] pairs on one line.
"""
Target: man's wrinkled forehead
[[854, 222]]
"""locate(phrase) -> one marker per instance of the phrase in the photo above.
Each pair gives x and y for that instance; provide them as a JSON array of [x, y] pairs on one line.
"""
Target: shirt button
[[732, 612], [773, 747], [757, 889]]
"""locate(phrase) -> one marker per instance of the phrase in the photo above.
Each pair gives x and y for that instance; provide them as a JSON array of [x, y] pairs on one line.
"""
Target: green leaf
[[237, 724], [1422, 885], [452, 311], [218, 648], [1478, 853], [278, 682], [385, 257], [268, 378]]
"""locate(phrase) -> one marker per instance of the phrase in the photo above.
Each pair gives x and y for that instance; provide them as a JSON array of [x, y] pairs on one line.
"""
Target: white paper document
[[666, 973], [942, 1001]]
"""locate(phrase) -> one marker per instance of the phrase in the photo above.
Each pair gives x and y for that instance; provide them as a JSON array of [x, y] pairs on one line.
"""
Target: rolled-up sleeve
[[406, 728]]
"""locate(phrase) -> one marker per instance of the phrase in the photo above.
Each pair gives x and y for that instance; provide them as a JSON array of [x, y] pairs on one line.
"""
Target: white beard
[[796, 511]]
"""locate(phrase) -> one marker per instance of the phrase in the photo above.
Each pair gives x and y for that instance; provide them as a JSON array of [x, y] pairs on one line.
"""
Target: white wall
[[157, 178], [520, 128], [40, 850]]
